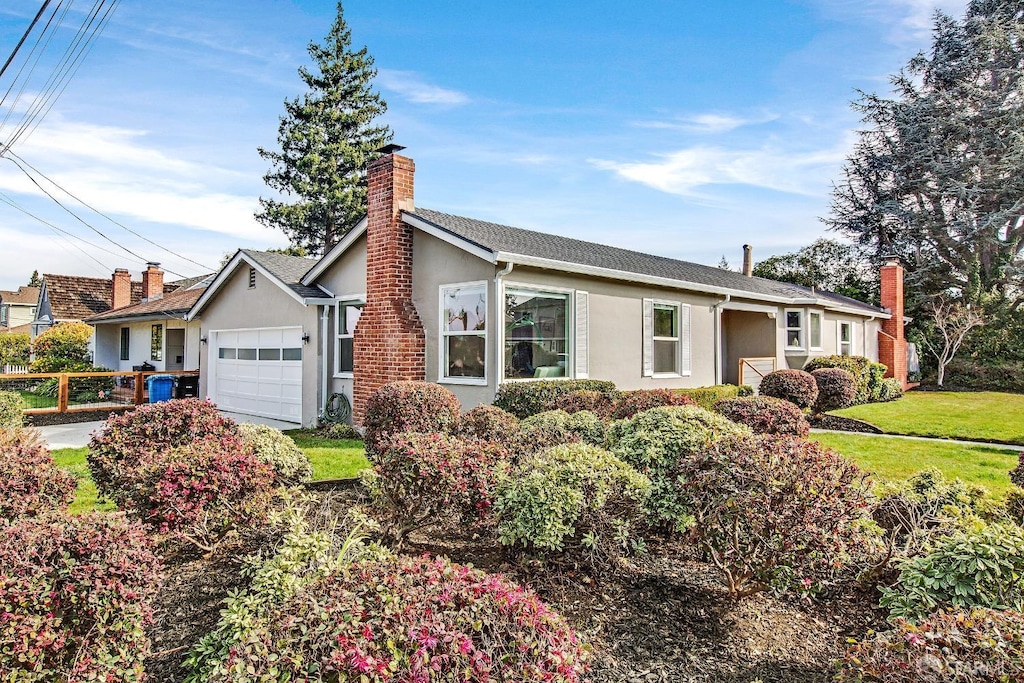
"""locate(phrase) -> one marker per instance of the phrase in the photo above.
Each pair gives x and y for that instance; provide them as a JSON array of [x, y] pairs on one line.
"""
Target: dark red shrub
[[773, 512], [837, 389], [980, 646], [434, 479], [75, 597], [795, 386], [408, 407], [157, 426], [765, 415], [601, 403], [31, 483], [632, 402], [489, 423], [1017, 474], [411, 619]]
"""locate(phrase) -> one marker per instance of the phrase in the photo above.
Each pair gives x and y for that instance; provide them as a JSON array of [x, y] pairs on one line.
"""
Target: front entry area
[[747, 335], [258, 372]]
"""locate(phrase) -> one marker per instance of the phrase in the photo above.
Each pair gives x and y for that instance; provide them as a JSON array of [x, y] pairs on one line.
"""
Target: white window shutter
[[648, 337], [684, 339], [582, 361]]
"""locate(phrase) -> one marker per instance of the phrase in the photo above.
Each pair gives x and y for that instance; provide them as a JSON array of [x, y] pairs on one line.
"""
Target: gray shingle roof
[[288, 269], [503, 238]]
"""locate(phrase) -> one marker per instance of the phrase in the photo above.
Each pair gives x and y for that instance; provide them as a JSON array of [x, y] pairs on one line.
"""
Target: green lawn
[[331, 459], [893, 458], [980, 416]]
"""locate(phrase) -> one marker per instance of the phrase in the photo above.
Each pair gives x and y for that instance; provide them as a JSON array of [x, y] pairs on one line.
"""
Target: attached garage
[[258, 372]]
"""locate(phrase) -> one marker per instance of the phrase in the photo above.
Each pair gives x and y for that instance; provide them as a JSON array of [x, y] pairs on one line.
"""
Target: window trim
[[648, 338], [569, 292], [125, 344], [802, 328], [839, 337], [4, 313], [347, 300], [152, 333], [443, 333], [821, 331], [675, 307]]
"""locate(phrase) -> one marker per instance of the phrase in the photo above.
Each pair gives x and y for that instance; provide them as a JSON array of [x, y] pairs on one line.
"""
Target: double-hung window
[[666, 337], [344, 350], [126, 335], [845, 338], [464, 333], [794, 330], [814, 329]]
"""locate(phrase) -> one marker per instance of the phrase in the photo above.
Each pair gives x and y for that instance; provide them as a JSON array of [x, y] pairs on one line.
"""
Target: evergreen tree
[[326, 137], [825, 264], [35, 280]]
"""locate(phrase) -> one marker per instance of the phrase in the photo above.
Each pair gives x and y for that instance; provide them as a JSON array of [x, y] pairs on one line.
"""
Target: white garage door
[[259, 372]]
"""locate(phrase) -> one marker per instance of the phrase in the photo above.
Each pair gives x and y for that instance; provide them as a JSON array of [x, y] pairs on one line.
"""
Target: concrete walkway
[[986, 444], [77, 434]]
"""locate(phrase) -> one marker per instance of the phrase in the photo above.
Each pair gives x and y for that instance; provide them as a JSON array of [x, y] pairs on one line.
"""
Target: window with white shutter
[[666, 338], [582, 361]]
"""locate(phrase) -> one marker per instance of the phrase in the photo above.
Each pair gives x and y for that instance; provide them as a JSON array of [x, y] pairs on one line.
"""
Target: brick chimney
[[121, 288], [152, 282], [892, 345], [389, 340]]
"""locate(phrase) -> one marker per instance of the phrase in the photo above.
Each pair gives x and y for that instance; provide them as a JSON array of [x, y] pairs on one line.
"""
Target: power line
[[60, 233], [23, 37]]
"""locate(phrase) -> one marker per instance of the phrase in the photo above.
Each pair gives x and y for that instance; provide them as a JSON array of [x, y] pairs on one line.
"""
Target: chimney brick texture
[[892, 345], [389, 342], [152, 282], [121, 288]]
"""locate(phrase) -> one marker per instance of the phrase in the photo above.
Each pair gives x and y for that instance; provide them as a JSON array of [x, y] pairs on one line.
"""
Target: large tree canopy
[[825, 264], [937, 175], [327, 136]]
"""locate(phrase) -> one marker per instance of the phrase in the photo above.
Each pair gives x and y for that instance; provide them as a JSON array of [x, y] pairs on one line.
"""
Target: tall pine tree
[[326, 137]]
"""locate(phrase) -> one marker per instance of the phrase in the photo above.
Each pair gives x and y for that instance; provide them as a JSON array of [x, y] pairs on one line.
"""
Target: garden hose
[[338, 409]]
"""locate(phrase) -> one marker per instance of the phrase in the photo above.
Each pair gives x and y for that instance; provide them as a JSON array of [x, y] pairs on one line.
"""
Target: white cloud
[[909, 21], [411, 85], [707, 123]]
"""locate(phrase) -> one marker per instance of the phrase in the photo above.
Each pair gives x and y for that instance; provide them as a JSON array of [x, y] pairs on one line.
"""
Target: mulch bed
[[666, 618], [842, 424]]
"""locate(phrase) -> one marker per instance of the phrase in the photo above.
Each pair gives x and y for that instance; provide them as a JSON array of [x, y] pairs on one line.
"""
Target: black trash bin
[[187, 386]]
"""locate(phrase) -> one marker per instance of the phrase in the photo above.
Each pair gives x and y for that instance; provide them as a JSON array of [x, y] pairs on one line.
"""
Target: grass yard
[[893, 458], [972, 416], [331, 459]]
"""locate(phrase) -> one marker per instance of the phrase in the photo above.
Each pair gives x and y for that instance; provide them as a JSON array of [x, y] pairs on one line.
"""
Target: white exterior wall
[[108, 344]]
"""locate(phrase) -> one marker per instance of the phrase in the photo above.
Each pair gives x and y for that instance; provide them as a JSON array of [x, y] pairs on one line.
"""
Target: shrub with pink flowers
[[632, 402], [427, 479], [408, 407], [765, 415], [75, 596], [977, 646], [837, 389], [795, 386], [157, 426], [414, 620], [31, 483], [489, 423]]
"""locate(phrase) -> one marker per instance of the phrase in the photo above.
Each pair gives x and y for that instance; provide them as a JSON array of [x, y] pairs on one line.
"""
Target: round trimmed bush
[[657, 441], [1017, 474], [572, 498], [126, 437], [765, 415], [275, 448], [601, 403], [632, 402], [410, 619], [75, 596], [976, 646], [30, 481], [554, 427], [796, 386], [773, 512], [400, 407], [836, 389], [427, 479], [866, 375], [489, 423], [524, 399]]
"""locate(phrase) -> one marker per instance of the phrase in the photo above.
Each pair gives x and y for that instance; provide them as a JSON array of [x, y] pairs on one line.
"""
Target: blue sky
[[681, 128]]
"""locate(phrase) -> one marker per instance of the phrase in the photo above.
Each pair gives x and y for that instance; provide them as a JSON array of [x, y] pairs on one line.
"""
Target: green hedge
[[524, 399], [705, 397], [866, 373]]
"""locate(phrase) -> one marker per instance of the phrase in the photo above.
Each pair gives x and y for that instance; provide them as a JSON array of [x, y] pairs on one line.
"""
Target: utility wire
[[46, 34], [24, 36], [60, 233]]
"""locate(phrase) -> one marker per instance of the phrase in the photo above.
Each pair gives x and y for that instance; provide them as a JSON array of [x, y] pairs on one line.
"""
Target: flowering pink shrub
[[75, 598], [408, 407], [765, 415], [30, 481], [601, 403], [772, 512], [490, 424], [423, 479], [837, 389], [411, 620], [980, 646], [795, 386], [157, 426], [632, 402]]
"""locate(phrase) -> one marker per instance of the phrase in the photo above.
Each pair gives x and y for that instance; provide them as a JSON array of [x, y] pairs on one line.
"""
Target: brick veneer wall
[[389, 342], [892, 345]]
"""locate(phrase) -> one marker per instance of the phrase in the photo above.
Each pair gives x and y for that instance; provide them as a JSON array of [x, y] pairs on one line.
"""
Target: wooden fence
[[753, 370], [67, 392]]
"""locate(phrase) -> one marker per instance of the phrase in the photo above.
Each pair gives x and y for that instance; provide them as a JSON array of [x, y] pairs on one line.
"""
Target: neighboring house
[[18, 308], [412, 293]]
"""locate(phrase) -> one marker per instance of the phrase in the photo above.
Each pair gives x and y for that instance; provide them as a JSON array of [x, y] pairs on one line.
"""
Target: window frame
[[570, 296], [4, 313], [684, 342], [675, 307], [802, 328], [810, 331], [125, 344], [839, 337], [444, 334], [343, 301], [156, 331]]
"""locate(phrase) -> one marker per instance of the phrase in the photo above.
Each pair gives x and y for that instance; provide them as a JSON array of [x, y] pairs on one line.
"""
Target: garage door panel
[[253, 379]]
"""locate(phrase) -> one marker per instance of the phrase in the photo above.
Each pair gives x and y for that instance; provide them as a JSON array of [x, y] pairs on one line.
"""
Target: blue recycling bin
[[160, 387]]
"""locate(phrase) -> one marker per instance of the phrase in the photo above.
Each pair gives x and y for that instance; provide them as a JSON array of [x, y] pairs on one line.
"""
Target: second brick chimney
[[389, 342], [892, 345], [152, 282], [121, 288]]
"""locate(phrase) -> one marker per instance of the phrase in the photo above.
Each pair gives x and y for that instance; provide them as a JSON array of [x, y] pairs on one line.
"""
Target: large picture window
[[464, 332], [348, 316], [536, 333]]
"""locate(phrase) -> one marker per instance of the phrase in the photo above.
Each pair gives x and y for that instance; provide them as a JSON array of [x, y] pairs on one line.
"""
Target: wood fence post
[[62, 393], [139, 388]]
